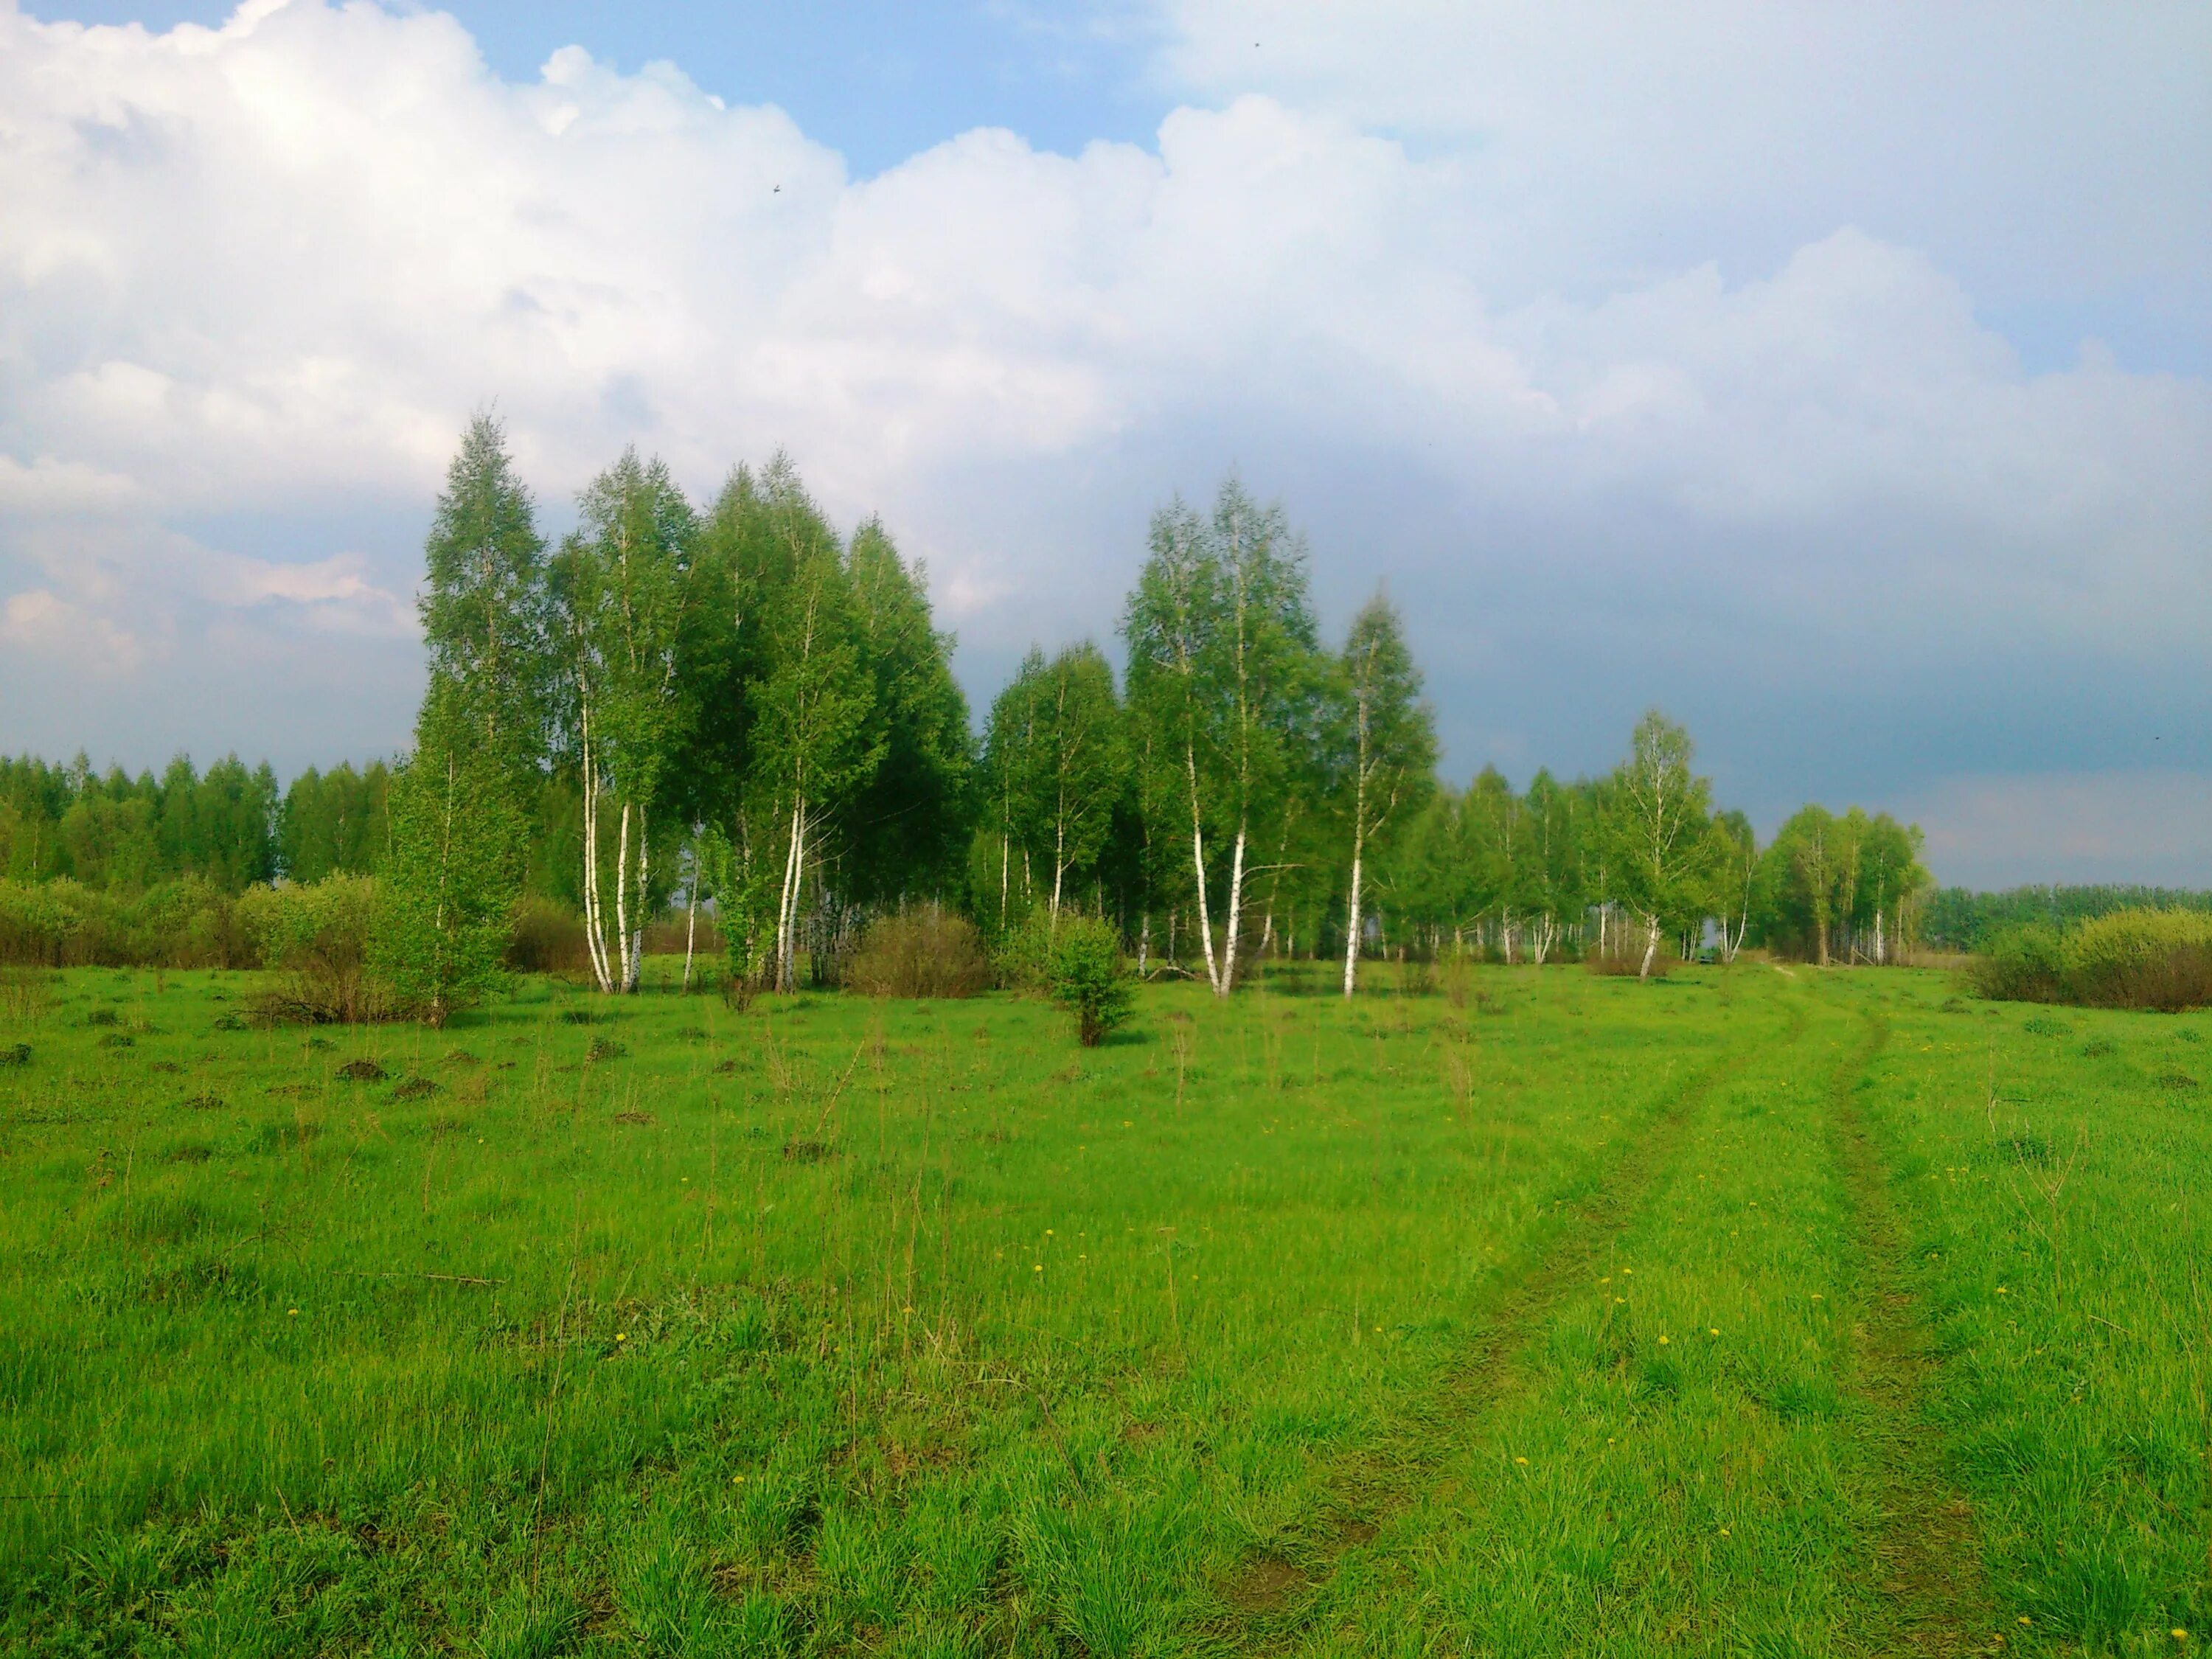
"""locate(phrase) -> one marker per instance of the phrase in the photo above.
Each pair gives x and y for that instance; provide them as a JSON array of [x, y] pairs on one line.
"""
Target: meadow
[[1499, 1311]]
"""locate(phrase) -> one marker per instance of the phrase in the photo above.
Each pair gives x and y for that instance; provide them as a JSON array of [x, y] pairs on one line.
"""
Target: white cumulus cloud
[[1628, 347]]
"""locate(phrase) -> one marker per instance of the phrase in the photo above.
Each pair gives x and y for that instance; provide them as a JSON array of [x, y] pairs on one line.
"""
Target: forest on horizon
[[733, 703]]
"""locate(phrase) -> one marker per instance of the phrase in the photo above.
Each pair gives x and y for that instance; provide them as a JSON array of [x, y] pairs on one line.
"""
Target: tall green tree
[[814, 742], [624, 586], [446, 891], [1656, 813], [1556, 881], [908, 823], [1225, 669], [1734, 863], [1009, 769], [1077, 764], [1389, 747], [486, 608]]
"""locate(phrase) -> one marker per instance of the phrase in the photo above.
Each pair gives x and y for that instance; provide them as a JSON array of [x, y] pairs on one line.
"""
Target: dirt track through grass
[[1527, 1315], [1934, 1600], [1379, 1480]]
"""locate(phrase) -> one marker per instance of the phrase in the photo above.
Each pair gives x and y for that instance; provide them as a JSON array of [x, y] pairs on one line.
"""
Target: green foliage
[[1226, 683], [906, 824], [124, 835], [923, 950], [1655, 814], [60, 922], [1958, 919], [485, 610], [317, 935], [1056, 767], [1086, 974], [334, 823], [625, 591], [451, 882], [1846, 885], [2155, 959]]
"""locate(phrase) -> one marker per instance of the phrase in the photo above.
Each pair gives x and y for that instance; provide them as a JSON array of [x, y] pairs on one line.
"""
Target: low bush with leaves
[[923, 951], [316, 935], [186, 923], [1086, 974], [2152, 959]]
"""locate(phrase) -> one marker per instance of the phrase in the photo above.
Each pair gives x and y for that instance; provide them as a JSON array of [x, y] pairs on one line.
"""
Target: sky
[[1837, 379]]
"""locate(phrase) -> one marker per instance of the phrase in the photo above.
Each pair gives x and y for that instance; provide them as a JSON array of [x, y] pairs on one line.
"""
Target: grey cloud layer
[[250, 274]]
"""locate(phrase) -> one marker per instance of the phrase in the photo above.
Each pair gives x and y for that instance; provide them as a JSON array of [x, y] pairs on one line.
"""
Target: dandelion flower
[[1712, 1330], [1038, 1268], [1662, 1341], [1520, 1459], [622, 1336], [291, 1313], [2025, 1620], [2003, 1292], [1724, 1532]]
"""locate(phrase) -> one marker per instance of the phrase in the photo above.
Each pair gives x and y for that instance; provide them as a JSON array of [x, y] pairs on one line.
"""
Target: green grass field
[[1747, 1312]]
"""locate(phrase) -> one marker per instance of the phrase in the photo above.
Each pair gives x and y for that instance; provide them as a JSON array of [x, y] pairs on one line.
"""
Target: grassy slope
[[839, 1326]]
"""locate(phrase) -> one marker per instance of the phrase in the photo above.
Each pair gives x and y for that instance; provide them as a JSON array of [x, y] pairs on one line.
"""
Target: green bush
[[2026, 965], [545, 938], [187, 923], [925, 951], [1086, 975], [2157, 959], [317, 934], [1021, 956]]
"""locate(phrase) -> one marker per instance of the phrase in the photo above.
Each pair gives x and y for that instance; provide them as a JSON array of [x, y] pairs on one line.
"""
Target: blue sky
[[878, 81], [1839, 380]]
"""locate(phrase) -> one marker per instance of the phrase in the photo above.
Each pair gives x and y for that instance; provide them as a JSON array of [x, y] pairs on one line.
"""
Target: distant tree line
[[729, 705], [1959, 919]]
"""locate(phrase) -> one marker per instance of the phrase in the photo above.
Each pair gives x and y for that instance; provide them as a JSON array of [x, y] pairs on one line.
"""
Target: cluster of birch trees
[[729, 703], [737, 704]]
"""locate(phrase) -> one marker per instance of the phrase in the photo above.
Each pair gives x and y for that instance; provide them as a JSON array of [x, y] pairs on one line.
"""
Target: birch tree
[[1555, 823], [813, 747], [1224, 665], [1657, 811], [1169, 626], [1734, 860], [1078, 763], [624, 586], [1390, 747]]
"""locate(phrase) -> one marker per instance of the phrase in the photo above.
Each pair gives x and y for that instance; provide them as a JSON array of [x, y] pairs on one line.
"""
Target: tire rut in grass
[[1373, 1484], [1934, 1600]]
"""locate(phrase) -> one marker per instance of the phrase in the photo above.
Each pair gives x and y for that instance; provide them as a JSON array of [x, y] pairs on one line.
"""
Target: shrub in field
[[316, 935], [2026, 965], [1086, 975], [23, 995], [2158, 959], [925, 951], [1629, 963], [2154, 959], [543, 938], [1021, 959], [454, 873], [187, 923]]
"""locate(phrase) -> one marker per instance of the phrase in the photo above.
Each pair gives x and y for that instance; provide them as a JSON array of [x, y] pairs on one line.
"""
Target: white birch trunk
[[1198, 858], [634, 941], [1228, 982], [1352, 922]]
